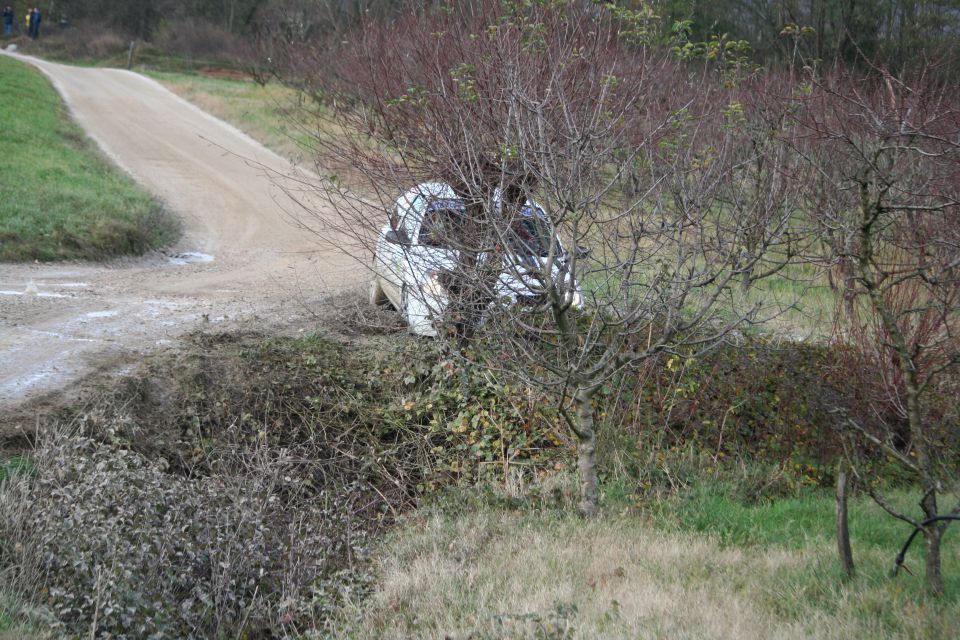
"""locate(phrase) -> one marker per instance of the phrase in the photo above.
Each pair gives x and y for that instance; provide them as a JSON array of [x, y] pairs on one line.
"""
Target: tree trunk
[[932, 533], [934, 577], [843, 531], [586, 453], [746, 279], [931, 538], [922, 448]]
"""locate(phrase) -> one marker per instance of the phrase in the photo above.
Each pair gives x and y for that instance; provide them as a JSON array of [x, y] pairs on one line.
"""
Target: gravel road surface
[[242, 259]]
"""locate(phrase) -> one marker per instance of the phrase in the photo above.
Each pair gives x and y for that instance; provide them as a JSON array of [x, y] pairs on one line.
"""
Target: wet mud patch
[[190, 257]]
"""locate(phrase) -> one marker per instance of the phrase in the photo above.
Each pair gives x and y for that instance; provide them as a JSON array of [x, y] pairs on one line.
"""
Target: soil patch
[[227, 74], [161, 388]]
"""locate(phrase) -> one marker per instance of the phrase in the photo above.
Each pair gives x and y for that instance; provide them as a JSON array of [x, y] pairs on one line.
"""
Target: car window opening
[[443, 224], [530, 234]]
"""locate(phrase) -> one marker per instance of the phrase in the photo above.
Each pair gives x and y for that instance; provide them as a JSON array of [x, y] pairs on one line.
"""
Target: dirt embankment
[[243, 261]]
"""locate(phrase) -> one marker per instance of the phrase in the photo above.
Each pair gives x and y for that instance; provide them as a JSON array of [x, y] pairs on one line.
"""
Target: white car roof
[[411, 212], [427, 190]]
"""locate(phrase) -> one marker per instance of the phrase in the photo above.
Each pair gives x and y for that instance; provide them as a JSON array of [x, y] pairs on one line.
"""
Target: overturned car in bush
[[419, 255]]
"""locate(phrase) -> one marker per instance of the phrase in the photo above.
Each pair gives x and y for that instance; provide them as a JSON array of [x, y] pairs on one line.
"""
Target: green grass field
[[60, 199]]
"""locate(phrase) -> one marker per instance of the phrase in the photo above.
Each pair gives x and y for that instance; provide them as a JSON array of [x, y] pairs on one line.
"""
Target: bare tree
[[531, 117], [884, 183]]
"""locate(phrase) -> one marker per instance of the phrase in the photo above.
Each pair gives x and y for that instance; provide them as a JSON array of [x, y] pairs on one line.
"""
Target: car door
[[393, 260]]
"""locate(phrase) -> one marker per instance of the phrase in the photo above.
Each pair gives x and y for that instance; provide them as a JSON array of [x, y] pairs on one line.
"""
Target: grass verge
[[61, 200], [11, 609], [271, 114]]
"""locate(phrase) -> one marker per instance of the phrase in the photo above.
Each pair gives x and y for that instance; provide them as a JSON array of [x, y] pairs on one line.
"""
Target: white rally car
[[413, 250]]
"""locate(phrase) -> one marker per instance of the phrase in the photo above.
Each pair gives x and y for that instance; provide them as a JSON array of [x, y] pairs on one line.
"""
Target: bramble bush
[[760, 411], [115, 546], [417, 418]]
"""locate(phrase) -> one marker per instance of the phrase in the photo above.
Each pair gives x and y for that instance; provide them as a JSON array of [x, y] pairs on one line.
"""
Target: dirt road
[[241, 259]]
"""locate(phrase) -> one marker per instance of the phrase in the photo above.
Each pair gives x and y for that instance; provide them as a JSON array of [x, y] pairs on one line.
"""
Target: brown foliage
[[200, 40]]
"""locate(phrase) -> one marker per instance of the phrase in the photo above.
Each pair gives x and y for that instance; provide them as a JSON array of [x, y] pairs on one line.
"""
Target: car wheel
[[378, 297]]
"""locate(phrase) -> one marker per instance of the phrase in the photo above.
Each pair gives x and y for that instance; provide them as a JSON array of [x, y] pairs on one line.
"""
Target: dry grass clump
[[484, 573], [112, 544], [508, 576]]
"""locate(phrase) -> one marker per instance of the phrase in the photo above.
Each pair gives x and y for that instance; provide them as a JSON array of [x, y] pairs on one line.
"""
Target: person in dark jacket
[[8, 21], [35, 23]]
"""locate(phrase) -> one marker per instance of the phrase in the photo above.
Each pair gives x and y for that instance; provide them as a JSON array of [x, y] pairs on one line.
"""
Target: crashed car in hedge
[[418, 248]]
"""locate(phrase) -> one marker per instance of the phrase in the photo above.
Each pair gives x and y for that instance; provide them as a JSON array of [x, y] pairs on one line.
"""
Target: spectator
[[35, 23], [8, 21], [26, 21]]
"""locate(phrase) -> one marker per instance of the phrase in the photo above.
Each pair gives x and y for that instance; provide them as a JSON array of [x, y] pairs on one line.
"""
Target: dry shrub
[[99, 42], [400, 414], [197, 39], [116, 546], [84, 40]]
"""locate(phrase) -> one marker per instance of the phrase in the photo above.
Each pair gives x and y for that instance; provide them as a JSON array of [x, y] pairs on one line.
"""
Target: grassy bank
[[61, 200], [375, 424]]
